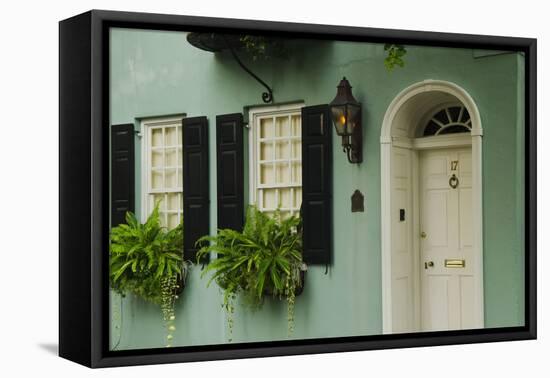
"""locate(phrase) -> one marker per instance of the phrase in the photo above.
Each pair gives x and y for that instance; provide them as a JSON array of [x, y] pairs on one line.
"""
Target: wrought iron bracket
[[267, 97]]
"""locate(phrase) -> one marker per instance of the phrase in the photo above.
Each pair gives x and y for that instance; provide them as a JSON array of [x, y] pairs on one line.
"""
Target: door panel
[[403, 273], [437, 303], [467, 304], [447, 295], [436, 224]]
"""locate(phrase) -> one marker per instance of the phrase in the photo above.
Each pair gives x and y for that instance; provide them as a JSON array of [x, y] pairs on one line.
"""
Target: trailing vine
[[230, 312], [290, 289], [263, 260], [146, 260], [169, 288]]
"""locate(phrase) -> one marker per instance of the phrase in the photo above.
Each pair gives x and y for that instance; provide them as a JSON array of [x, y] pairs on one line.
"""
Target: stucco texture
[[156, 73]]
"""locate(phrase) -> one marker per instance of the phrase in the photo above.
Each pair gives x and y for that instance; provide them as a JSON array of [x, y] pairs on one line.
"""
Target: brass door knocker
[[453, 181]]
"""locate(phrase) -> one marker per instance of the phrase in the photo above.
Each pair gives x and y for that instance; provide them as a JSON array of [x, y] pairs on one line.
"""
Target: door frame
[[391, 137]]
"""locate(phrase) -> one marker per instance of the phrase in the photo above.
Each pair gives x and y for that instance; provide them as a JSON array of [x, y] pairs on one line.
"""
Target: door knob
[[428, 264], [423, 235]]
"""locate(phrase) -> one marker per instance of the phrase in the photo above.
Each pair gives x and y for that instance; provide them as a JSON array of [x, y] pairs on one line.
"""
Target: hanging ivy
[[145, 260], [264, 260], [395, 56]]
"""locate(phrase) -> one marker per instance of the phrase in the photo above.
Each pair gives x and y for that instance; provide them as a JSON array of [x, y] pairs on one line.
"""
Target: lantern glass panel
[[339, 118], [353, 117]]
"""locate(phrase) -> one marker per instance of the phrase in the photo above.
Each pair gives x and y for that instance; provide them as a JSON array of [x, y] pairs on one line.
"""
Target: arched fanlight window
[[450, 120]]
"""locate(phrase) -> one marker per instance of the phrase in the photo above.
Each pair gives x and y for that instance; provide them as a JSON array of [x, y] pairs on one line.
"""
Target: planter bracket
[[267, 97]]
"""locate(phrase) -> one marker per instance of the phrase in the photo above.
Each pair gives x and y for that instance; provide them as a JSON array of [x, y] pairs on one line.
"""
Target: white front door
[[446, 254]]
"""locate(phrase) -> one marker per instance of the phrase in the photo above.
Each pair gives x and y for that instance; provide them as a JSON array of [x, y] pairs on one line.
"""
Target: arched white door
[[432, 264]]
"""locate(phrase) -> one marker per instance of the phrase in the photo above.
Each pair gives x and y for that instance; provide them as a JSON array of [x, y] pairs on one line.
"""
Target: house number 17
[[454, 165]]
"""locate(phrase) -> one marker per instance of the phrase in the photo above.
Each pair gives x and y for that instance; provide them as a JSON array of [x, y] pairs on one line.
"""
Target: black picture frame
[[84, 190]]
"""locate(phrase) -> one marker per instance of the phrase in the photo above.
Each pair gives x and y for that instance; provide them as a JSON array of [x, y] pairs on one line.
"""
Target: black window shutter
[[317, 184], [196, 201], [122, 172], [230, 171]]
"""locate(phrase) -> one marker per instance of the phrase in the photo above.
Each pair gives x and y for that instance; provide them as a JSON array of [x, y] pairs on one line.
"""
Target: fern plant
[[146, 260], [265, 259]]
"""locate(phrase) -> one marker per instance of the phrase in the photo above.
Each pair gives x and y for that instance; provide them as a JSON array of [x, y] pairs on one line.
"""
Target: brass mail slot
[[455, 263]]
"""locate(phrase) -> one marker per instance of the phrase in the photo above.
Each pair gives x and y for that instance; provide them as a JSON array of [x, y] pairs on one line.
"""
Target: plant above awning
[[257, 47]]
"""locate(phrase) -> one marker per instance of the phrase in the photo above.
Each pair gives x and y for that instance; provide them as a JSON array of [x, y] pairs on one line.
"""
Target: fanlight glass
[[450, 120]]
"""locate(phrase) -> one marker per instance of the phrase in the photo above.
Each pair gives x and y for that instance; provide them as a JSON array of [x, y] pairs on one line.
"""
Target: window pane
[[431, 128], [267, 174], [296, 149], [465, 116], [173, 220], [172, 201], [171, 159], [266, 151], [442, 117], [284, 195], [282, 150], [283, 173], [157, 159], [283, 127], [296, 125], [455, 112], [156, 136], [269, 199], [266, 128], [156, 179], [170, 179], [170, 134], [297, 173]]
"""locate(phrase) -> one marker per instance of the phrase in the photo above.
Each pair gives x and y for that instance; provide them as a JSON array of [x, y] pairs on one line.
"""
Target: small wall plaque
[[357, 202]]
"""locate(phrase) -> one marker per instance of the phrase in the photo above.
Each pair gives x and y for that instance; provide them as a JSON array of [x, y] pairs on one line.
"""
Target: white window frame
[[254, 116], [146, 125]]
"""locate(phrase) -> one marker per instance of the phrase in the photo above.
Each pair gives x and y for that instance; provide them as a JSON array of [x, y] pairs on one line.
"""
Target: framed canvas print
[[234, 188]]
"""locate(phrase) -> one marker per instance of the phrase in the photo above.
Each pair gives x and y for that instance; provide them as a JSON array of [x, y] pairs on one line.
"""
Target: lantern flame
[[343, 120]]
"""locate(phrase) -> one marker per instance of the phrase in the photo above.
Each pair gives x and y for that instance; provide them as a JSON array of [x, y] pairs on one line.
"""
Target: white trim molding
[[401, 119]]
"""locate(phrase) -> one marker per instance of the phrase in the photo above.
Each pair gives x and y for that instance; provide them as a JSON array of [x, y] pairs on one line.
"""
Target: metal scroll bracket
[[267, 97]]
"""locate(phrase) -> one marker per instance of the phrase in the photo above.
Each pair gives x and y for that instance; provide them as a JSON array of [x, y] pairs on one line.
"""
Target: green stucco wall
[[157, 73]]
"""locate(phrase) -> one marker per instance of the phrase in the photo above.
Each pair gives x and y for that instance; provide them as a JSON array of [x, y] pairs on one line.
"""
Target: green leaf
[[257, 260], [121, 270], [395, 54], [144, 255]]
